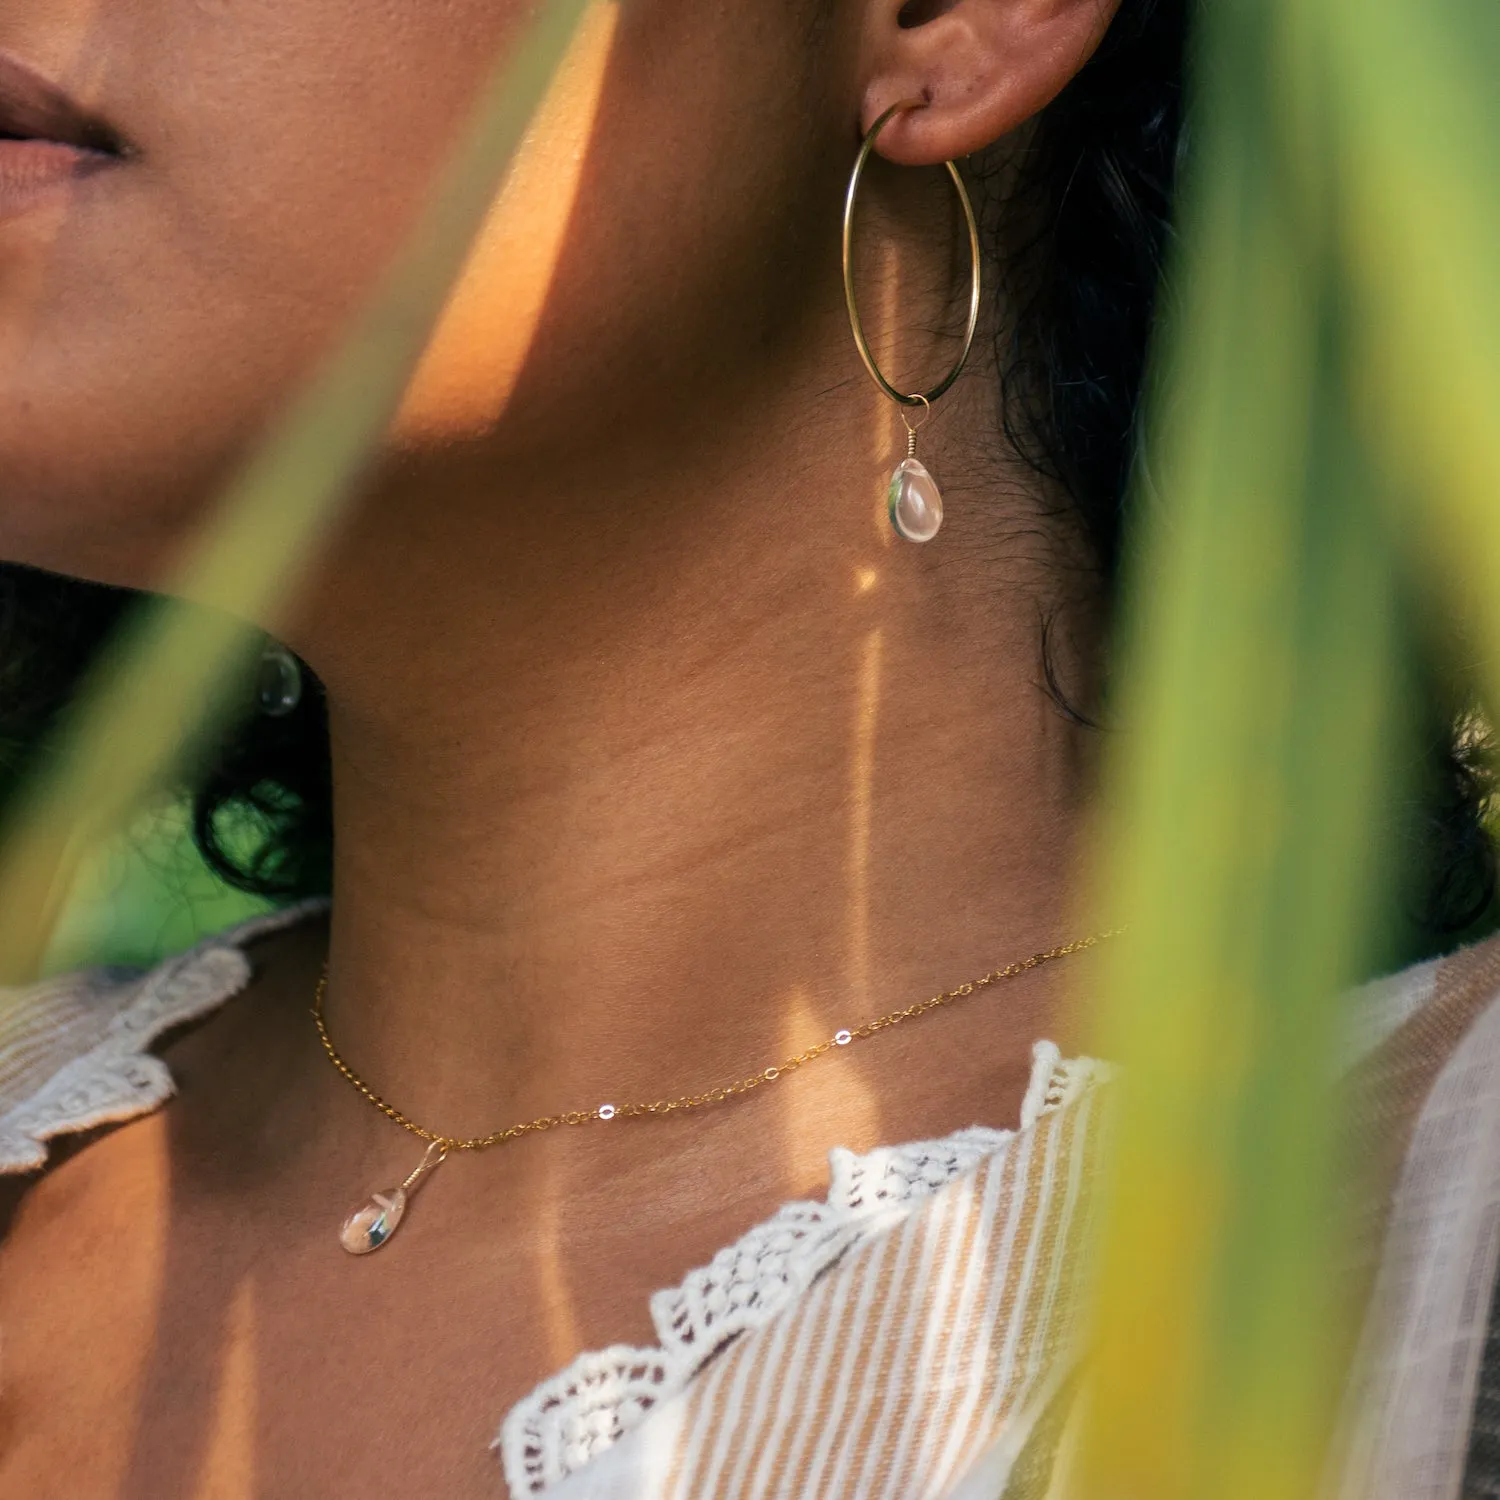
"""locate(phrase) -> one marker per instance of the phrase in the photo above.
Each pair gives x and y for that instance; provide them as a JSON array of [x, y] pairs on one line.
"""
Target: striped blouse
[[871, 1345], [917, 1335]]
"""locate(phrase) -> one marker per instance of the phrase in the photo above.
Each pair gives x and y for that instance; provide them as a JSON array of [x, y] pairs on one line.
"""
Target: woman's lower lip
[[32, 171]]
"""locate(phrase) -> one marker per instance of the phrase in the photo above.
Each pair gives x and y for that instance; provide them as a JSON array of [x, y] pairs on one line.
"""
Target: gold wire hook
[[427, 1164], [913, 428]]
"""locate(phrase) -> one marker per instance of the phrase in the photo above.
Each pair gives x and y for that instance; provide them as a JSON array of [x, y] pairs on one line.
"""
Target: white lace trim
[[587, 1408], [118, 1079]]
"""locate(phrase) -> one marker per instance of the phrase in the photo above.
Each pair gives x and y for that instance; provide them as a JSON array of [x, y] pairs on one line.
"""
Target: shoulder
[[1404, 1032], [1424, 1122], [75, 1051]]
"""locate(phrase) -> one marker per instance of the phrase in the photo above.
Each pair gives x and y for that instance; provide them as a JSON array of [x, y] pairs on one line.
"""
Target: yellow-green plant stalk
[[1413, 85], [1263, 652], [162, 682]]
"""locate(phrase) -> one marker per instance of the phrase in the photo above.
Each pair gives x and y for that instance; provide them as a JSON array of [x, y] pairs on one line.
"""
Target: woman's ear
[[982, 67]]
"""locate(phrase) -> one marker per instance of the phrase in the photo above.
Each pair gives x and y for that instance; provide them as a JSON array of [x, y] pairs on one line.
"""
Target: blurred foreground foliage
[[1321, 495], [144, 896]]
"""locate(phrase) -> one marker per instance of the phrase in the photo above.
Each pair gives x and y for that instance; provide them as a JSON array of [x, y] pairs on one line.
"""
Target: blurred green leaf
[[1265, 652], [144, 896]]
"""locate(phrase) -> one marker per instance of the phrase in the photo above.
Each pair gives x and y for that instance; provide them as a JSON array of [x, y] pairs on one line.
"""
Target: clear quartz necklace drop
[[377, 1219]]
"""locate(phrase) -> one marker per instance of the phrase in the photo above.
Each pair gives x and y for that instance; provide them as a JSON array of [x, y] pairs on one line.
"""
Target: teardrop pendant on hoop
[[913, 500]]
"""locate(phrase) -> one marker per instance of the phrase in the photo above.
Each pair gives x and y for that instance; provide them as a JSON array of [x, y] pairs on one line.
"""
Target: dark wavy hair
[[1094, 190]]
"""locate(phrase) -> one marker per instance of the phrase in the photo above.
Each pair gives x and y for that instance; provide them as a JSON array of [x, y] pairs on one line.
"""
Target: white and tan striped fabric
[[917, 1335], [909, 1353]]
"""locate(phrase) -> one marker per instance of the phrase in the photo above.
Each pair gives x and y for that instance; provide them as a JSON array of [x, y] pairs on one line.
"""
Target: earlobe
[[983, 68]]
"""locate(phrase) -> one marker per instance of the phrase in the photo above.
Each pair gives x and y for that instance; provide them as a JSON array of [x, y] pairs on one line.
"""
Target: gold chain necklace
[[376, 1220]]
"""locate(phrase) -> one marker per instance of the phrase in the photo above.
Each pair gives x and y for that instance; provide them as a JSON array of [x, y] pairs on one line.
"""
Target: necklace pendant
[[373, 1223]]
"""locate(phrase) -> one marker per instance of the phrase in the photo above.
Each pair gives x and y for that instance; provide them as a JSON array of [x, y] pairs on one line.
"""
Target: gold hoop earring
[[913, 500]]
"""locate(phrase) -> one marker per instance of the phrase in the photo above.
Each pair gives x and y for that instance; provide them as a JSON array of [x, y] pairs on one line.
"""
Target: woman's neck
[[645, 782]]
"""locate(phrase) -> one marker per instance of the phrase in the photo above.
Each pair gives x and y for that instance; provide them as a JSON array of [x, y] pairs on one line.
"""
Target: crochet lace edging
[[118, 1079]]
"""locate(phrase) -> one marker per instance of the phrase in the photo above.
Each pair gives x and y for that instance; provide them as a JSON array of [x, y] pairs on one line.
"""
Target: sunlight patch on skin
[[842, 1097], [867, 687], [134, 1241], [861, 797], [563, 1337], [484, 337], [889, 433], [229, 1469]]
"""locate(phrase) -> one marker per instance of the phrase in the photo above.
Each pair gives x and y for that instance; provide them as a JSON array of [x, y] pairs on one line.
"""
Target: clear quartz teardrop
[[914, 501], [374, 1222]]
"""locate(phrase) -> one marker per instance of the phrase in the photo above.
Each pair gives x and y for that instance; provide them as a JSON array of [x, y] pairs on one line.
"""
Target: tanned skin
[[656, 756]]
